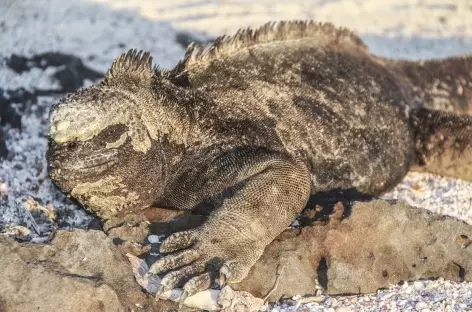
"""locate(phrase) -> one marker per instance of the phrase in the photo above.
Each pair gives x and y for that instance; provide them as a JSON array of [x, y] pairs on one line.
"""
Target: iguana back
[[311, 89]]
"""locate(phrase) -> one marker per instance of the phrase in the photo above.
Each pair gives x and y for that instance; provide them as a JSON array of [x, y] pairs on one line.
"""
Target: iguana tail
[[441, 113], [441, 84], [443, 143]]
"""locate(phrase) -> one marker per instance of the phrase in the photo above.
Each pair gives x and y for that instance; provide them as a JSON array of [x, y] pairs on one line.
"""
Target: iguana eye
[[114, 136], [117, 143], [113, 133]]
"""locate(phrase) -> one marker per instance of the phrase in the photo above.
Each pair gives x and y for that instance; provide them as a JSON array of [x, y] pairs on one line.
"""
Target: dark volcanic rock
[[3, 147], [71, 76]]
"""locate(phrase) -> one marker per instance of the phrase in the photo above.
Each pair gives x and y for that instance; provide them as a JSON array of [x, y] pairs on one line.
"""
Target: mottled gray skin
[[252, 126]]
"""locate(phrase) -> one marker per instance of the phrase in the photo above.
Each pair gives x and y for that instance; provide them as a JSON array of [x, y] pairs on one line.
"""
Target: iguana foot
[[210, 255], [267, 194]]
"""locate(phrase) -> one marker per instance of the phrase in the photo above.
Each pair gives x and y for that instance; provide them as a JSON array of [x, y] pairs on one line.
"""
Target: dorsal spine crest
[[132, 64], [269, 32]]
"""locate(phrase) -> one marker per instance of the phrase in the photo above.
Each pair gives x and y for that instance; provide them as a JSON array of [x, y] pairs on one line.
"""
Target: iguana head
[[102, 139]]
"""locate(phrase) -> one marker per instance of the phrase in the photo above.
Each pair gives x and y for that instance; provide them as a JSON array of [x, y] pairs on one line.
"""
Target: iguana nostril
[[71, 145]]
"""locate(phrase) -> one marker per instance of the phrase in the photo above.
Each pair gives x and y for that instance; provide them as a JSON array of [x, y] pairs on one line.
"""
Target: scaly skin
[[252, 127]]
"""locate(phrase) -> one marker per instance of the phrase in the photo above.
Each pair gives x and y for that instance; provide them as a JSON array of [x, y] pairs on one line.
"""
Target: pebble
[[313, 299], [421, 305], [154, 239], [418, 285], [334, 304], [388, 296], [422, 296]]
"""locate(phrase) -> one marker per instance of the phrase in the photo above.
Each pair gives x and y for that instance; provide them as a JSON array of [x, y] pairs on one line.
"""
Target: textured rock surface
[[378, 245], [78, 271]]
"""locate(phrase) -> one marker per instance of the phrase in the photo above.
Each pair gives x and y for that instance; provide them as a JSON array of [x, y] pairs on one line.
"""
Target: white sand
[[99, 30]]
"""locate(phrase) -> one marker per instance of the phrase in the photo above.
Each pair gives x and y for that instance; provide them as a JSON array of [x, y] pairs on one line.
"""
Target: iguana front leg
[[268, 190]]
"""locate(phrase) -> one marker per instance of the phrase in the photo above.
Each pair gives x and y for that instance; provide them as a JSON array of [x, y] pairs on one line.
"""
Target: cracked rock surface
[[79, 271], [378, 244]]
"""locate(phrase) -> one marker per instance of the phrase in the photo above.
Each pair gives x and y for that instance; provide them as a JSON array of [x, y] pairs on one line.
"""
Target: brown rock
[[377, 245], [78, 271]]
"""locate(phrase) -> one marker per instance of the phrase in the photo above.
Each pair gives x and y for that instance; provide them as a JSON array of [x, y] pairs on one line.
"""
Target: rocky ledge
[[371, 246]]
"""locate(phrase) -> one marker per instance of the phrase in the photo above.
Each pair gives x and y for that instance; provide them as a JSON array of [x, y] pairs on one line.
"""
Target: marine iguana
[[252, 126]]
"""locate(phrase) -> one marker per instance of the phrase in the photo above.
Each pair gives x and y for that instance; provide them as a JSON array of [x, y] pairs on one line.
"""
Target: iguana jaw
[[70, 162], [97, 161]]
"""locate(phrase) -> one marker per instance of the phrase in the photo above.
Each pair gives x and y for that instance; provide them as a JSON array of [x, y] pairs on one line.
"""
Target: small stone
[[334, 304], [421, 305], [418, 285], [343, 310], [154, 239], [313, 299], [388, 296]]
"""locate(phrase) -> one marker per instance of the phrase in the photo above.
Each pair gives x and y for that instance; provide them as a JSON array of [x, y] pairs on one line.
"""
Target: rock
[[238, 301], [379, 244], [421, 305], [3, 146], [154, 239], [78, 271], [418, 285], [376, 245], [71, 76], [8, 113], [371, 246]]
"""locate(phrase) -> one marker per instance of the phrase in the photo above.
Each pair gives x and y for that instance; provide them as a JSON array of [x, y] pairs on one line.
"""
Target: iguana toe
[[173, 261], [178, 241], [195, 285], [232, 272], [207, 257], [174, 278]]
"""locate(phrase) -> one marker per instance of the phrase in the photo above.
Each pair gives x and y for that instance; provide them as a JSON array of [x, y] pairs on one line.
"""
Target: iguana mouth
[[97, 162], [97, 165], [67, 175]]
